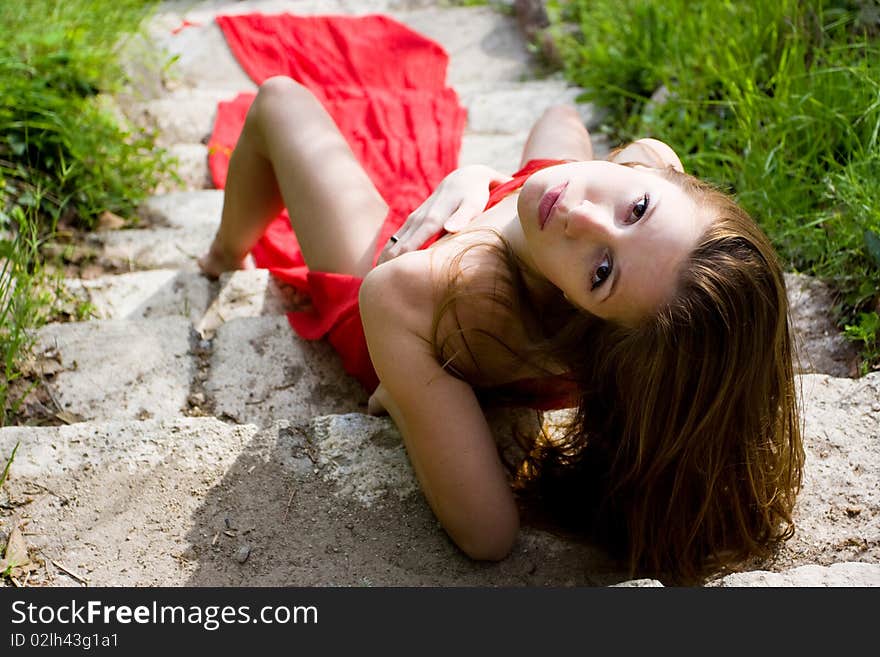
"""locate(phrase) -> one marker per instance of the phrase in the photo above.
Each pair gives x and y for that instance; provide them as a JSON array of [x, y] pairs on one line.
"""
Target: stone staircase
[[205, 444]]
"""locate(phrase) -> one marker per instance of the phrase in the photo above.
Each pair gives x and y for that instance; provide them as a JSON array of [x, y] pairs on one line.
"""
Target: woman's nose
[[589, 219]]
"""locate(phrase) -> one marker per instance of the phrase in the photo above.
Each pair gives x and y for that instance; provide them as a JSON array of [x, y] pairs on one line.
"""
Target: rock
[[248, 293], [823, 348], [156, 248], [513, 108], [120, 369], [144, 294], [841, 473], [363, 455], [242, 553], [184, 209], [840, 574], [640, 583], [262, 371], [192, 167]]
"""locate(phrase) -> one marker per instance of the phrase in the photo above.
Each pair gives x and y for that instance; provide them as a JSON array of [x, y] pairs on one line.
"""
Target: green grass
[[64, 154], [777, 102], [9, 461]]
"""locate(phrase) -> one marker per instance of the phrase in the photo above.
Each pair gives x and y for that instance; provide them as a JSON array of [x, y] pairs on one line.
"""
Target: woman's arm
[[649, 152], [448, 440]]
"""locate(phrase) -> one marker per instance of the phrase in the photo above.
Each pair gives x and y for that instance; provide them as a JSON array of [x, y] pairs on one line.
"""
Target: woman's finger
[[462, 216]]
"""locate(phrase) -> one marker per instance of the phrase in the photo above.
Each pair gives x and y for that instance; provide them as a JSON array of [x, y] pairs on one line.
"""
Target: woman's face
[[611, 237]]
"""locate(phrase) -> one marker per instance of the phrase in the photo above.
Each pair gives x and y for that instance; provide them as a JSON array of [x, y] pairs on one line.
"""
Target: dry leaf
[[16, 555], [69, 418], [110, 221]]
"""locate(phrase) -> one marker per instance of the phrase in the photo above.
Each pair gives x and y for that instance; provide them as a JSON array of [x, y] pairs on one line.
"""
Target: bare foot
[[216, 261]]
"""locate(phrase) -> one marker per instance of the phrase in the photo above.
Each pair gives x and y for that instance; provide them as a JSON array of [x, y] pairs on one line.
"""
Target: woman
[[642, 298]]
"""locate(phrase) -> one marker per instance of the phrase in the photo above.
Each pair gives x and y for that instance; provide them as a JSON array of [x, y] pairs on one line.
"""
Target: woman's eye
[[603, 271], [640, 208]]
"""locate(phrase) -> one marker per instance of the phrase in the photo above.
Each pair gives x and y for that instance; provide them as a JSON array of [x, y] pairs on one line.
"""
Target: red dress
[[402, 122]]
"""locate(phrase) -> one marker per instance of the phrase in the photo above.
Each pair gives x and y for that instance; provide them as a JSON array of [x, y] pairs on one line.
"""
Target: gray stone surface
[[502, 152], [126, 445], [512, 108], [119, 369], [363, 455], [155, 248], [247, 293], [184, 209], [113, 502], [262, 371], [822, 346], [192, 166], [838, 574], [837, 516], [640, 583], [203, 59], [172, 503], [143, 294], [366, 459], [184, 117], [483, 46]]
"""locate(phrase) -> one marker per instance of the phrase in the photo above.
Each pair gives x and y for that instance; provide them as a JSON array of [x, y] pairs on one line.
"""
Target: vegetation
[[777, 102], [64, 154]]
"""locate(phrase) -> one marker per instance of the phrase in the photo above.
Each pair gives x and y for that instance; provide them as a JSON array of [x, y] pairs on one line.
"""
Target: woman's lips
[[548, 202]]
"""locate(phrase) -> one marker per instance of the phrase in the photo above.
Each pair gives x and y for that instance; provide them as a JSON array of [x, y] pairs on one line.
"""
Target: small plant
[[23, 301], [8, 465], [866, 331], [65, 156]]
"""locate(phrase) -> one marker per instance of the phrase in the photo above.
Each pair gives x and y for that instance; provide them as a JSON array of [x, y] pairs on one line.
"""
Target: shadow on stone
[[334, 502]]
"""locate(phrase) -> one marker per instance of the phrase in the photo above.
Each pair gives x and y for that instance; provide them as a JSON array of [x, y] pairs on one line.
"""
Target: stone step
[[153, 248], [185, 116], [175, 293], [838, 511], [118, 369], [254, 370], [191, 167], [181, 226], [196, 502], [183, 209], [145, 294], [822, 346], [504, 152], [850, 574], [333, 500], [511, 108], [261, 370], [248, 293]]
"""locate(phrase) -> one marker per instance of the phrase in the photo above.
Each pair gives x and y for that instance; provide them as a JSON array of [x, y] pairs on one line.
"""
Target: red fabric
[[384, 85]]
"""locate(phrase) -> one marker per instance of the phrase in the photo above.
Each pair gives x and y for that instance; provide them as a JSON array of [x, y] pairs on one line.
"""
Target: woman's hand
[[459, 198]]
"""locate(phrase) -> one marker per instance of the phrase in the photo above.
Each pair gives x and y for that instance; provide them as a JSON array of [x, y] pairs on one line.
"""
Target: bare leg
[[291, 154], [558, 134]]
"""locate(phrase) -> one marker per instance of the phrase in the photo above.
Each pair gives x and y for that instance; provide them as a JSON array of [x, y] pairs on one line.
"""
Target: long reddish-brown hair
[[683, 453]]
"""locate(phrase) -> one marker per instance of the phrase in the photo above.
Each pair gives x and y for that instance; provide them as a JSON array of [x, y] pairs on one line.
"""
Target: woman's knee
[[280, 87], [281, 96]]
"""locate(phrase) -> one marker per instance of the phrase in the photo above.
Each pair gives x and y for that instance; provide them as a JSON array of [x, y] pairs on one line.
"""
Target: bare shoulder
[[400, 293]]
